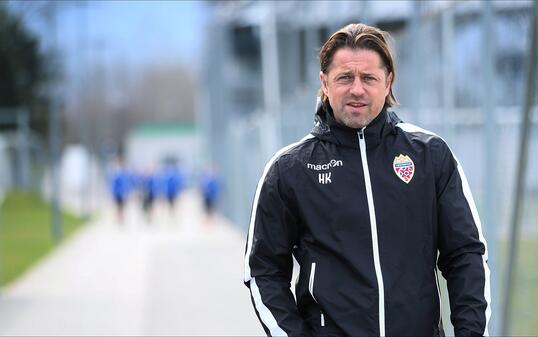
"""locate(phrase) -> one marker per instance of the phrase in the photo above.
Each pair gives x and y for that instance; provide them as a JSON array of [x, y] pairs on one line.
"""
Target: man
[[368, 205], [173, 183], [120, 182], [150, 188], [210, 187]]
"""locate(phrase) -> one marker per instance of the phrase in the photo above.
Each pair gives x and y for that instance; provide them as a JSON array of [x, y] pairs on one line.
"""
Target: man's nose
[[357, 88]]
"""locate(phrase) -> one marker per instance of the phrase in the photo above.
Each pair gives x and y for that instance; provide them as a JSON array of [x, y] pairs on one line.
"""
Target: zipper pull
[[361, 133]]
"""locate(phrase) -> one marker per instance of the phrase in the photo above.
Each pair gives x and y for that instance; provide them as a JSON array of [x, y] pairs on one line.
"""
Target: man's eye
[[344, 78], [369, 78]]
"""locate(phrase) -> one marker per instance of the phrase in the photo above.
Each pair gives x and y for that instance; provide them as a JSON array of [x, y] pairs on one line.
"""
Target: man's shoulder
[[293, 153], [428, 140], [418, 134], [292, 150]]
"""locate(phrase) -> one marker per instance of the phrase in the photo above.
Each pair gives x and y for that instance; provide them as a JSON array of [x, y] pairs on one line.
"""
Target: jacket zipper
[[373, 225], [311, 289]]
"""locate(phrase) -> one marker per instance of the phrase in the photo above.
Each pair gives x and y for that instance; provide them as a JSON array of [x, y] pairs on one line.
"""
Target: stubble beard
[[355, 122]]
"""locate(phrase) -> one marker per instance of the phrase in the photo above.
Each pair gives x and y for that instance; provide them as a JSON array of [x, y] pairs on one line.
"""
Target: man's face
[[356, 85]]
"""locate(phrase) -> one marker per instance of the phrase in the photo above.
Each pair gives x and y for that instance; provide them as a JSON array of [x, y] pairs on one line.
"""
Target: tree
[[116, 98], [23, 68]]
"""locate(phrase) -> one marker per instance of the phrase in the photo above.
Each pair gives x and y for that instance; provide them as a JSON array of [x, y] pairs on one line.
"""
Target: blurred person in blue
[[120, 183], [149, 184], [210, 188], [369, 206], [173, 181]]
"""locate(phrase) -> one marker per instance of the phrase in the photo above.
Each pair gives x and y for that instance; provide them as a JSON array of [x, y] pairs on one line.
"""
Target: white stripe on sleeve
[[256, 197], [265, 314]]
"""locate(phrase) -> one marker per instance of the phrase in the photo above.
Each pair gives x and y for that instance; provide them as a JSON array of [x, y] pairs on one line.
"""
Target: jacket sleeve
[[268, 258], [462, 249]]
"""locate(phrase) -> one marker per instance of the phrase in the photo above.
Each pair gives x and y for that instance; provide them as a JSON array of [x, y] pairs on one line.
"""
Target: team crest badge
[[404, 168]]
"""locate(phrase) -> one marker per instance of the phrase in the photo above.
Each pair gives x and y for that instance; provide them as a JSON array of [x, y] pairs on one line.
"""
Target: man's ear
[[323, 80], [389, 79]]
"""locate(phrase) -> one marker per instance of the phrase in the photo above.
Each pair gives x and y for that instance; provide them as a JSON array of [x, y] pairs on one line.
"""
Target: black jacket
[[368, 214]]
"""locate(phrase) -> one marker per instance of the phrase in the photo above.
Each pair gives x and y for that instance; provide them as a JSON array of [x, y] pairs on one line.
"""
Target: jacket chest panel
[[338, 207], [402, 202], [334, 205], [405, 212]]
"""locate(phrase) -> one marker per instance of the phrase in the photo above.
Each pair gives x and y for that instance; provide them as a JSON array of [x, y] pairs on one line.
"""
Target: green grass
[[25, 234], [523, 320]]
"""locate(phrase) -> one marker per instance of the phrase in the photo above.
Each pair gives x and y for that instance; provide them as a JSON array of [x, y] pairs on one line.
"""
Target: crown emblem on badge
[[404, 168]]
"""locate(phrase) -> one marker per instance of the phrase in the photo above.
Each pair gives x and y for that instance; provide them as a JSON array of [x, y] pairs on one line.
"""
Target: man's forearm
[[276, 307]]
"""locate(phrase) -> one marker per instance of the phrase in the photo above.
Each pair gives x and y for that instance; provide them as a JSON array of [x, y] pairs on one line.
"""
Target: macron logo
[[329, 165], [325, 177]]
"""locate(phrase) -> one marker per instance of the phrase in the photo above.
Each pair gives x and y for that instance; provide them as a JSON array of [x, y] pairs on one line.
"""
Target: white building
[[152, 144]]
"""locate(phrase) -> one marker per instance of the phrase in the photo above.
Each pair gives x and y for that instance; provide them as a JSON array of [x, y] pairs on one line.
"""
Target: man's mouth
[[357, 104]]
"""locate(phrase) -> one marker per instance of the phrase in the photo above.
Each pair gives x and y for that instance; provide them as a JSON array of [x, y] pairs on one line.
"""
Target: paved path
[[178, 275]]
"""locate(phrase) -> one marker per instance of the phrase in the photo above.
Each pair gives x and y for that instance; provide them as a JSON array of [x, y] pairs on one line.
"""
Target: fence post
[[54, 147], [517, 210]]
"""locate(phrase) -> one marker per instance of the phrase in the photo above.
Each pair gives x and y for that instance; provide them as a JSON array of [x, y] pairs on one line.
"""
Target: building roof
[[163, 129]]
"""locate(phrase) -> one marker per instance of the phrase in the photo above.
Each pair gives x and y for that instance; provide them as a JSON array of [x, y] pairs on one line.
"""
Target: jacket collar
[[327, 128]]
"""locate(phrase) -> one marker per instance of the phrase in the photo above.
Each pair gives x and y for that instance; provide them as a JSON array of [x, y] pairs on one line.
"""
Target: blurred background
[[110, 110]]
